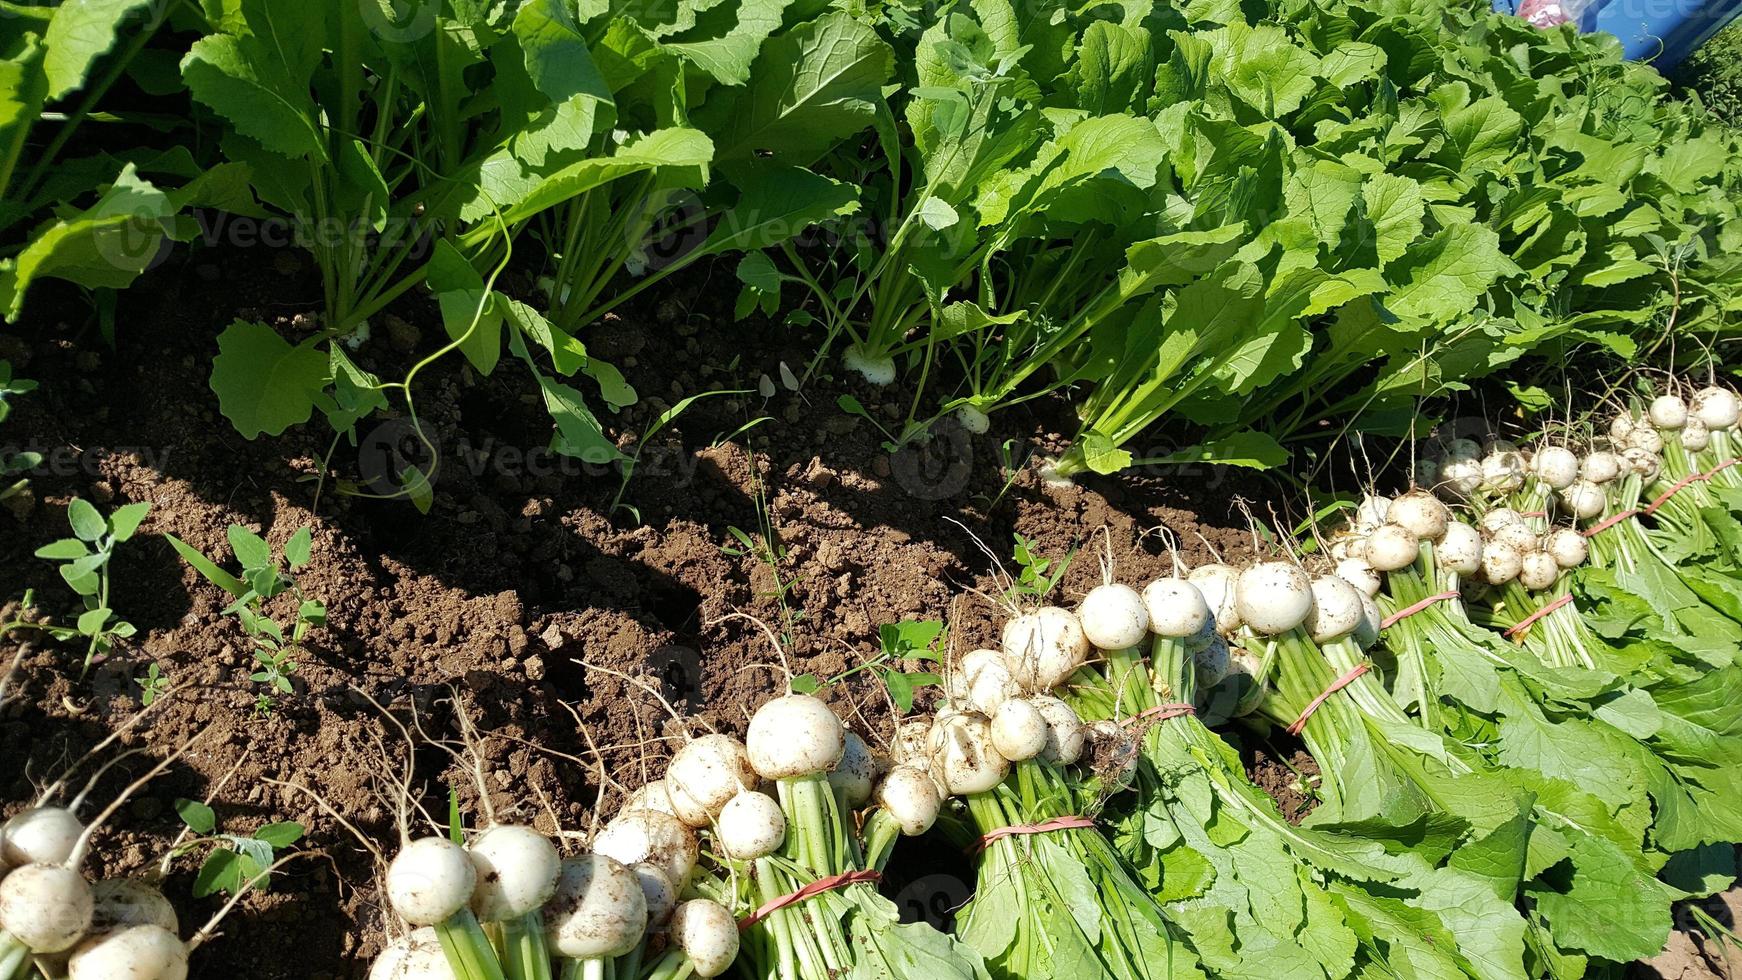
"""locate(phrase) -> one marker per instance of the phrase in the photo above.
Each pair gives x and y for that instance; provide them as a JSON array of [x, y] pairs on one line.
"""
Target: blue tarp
[[1663, 32]]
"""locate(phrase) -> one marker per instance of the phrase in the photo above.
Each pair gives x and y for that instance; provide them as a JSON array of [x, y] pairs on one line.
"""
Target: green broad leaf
[[1441, 278], [92, 621], [298, 548], [263, 384], [1481, 136], [86, 522], [806, 684], [729, 57], [1322, 193], [106, 245], [251, 549], [243, 79], [221, 874], [901, 686], [80, 32], [1251, 449], [1394, 206], [471, 317], [126, 520], [198, 817], [810, 87], [567, 354], [937, 214], [1609, 908], [613, 387], [1352, 62], [1115, 68], [578, 432], [81, 580], [1101, 456], [1684, 165], [774, 205], [280, 835], [1073, 174], [207, 568], [1176, 259], [356, 393], [65, 549], [909, 637], [1263, 67], [556, 54], [675, 147], [415, 484]]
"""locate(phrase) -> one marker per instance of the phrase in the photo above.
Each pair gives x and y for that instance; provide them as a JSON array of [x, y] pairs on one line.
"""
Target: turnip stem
[[525, 954], [468, 950]]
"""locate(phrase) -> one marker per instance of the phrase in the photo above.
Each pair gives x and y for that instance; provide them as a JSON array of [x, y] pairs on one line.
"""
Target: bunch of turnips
[[1534, 655]]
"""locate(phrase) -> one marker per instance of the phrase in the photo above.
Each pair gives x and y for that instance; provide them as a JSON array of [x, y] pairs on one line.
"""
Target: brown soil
[[522, 572]]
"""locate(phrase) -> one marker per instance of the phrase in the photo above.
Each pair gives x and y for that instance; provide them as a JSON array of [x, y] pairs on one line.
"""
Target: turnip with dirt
[[1019, 730], [1335, 610], [1599, 468], [750, 826], [1567, 547], [1667, 412], [1459, 550], [1357, 572], [1274, 597], [650, 837], [705, 774], [1044, 648], [983, 680], [707, 935], [44, 908], [911, 799], [152, 952], [1422, 514], [1219, 584], [855, 773], [1584, 499], [1113, 616], [1556, 466], [40, 835], [1717, 407], [1392, 547], [963, 757], [415, 956], [1176, 608], [597, 912]]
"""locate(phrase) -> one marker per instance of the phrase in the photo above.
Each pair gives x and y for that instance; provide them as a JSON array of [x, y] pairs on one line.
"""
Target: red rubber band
[[1044, 827], [1681, 484], [1408, 611], [1610, 522], [1162, 712], [1721, 467], [811, 890], [1336, 685], [1533, 513], [1530, 620]]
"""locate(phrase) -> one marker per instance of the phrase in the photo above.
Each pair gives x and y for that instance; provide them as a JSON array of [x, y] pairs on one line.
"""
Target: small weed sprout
[[262, 580], [233, 862], [85, 559]]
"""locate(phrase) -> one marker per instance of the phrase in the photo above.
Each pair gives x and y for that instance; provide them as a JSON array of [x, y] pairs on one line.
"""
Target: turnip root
[[1219, 585], [1667, 412], [1361, 575], [856, 772], [1501, 563], [983, 681], [119, 903], [1460, 550], [1064, 739], [46, 907], [1113, 617], [1584, 499], [1274, 597], [1567, 547], [1176, 608], [1556, 466], [876, 370], [41, 835], [1392, 547], [1019, 730], [659, 892], [1537, 571], [151, 952], [1599, 467], [430, 880], [1422, 514], [1044, 648], [517, 868], [750, 826], [707, 934], [705, 774], [1716, 407], [651, 837], [598, 910], [963, 758], [911, 798], [1695, 436], [1335, 610], [792, 736], [653, 796]]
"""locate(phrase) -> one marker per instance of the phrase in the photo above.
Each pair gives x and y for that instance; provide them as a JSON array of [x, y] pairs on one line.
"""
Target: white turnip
[[1113, 616]]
